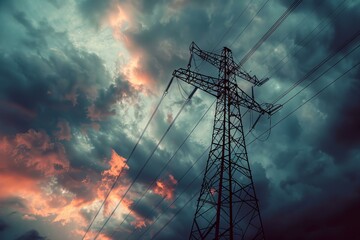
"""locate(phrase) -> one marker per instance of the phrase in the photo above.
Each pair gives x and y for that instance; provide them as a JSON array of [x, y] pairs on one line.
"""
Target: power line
[[320, 64], [315, 95], [168, 162], [247, 25], [327, 70], [228, 30], [179, 180], [304, 41], [154, 113], [128, 159], [184, 191], [172, 218], [259, 136], [147, 161], [281, 19], [151, 118], [178, 197], [294, 110]]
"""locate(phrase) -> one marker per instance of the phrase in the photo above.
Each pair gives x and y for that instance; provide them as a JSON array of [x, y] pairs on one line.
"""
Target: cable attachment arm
[[212, 58], [248, 102], [215, 60], [198, 80], [236, 69]]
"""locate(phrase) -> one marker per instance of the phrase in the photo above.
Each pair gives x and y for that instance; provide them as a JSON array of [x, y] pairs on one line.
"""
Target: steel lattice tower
[[227, 207]]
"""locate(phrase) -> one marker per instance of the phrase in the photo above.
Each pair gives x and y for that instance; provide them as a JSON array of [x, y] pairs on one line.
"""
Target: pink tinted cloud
[[166, 188], [33, 151], [30, 171]]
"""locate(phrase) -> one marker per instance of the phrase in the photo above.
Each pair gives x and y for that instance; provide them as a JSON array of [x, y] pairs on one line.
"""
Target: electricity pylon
[[227, 207]]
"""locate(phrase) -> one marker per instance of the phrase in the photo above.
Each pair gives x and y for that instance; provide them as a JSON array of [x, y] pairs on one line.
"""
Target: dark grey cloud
[[343, 125], [305, 174], [304, 156], [31, 235], [94, 11], [3, 225]]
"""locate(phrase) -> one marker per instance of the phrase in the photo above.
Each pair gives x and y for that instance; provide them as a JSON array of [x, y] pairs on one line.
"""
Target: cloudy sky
[[79, 81]]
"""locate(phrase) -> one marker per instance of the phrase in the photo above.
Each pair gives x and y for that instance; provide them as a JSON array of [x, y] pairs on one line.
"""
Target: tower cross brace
[[227, 207]]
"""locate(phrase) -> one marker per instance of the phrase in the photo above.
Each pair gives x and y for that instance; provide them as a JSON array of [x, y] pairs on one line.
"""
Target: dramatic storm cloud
[[80, 79]]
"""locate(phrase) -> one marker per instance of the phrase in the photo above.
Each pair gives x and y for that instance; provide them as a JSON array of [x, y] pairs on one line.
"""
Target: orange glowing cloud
[[166, 188], [117, 164], [27, 173], [119, 19], [35, 150], [15, 184], [124, 21], [135, 74]]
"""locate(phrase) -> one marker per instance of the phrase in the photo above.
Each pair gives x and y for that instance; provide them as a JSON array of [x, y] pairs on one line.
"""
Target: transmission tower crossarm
[[212, 58], [248, 102], [201, 81], [211, 85], [216, 60], [236, 69]]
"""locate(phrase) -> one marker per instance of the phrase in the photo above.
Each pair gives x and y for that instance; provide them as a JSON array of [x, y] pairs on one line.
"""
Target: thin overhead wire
[[277, 123], [306, 40], [181, 90], [285, 37], [227, 31], [322, 74], [343, 47], [247, 25], [315, 95], [305, 102], [177, 213], [168, 162], [180, 194], [143, 167], [272, 29], [233, 24], [128, 159]]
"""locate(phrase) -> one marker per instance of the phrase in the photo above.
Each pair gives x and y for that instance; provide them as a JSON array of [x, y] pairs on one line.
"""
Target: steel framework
[[227, 207]]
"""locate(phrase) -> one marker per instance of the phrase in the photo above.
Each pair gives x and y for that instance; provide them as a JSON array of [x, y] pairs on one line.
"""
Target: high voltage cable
[[270, 129], [310, 83], [172, 218], [281, 19], [128, 159], [113, 186], [186, 188], [327, 70], [278, 123], [294, 110], [236, 38], [315, 95], [184, 191], [321, 90], [131, 154], [315, 68], [301, 22], [179, 180], [331, 15], [168, 162], [228, 30], [147, 161]]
